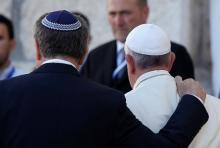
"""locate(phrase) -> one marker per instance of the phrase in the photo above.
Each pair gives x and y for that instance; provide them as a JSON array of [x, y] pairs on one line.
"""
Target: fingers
[[178, 79], [190, 86], [179, 84]]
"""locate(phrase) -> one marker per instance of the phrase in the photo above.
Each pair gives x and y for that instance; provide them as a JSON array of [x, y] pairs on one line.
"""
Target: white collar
[[58, 61], [120, 45], [149, 75]]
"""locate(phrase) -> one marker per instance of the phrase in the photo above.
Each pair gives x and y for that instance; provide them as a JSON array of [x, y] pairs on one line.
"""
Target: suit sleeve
[[180, 130]]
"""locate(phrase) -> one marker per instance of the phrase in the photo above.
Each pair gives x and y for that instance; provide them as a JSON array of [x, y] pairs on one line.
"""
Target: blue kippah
[[61, 20]]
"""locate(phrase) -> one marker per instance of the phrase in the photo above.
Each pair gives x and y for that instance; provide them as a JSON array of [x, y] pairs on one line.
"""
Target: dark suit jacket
[[101, 62], [53, 107]]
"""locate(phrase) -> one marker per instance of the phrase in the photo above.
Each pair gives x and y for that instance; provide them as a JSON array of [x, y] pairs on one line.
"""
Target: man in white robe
[[154, 97]]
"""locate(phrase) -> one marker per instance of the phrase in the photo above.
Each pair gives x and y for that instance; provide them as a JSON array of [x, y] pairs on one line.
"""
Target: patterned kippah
[[61, 20]]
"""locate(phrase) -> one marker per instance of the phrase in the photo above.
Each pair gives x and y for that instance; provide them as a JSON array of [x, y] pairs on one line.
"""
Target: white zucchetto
[[148, 39]]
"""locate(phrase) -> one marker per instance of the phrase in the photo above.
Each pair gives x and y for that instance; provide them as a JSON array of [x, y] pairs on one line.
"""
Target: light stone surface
[[183, 20], [215, 44], [5, 7]]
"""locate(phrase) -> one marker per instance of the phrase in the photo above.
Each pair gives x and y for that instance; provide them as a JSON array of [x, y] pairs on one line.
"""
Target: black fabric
[[101, 63], [183, 64], [53, 107]]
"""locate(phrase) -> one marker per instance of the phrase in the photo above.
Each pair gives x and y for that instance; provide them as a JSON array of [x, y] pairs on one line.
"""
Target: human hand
[[190, 86]]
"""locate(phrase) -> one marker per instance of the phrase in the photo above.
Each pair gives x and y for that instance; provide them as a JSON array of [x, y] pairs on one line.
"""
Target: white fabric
[[148, 39], [209, 135], [154, 99], [151, 101], [58, 61]]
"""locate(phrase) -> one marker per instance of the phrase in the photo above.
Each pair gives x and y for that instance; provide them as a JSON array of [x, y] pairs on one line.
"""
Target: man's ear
[[172, 58], [38, 54], [130, 64]]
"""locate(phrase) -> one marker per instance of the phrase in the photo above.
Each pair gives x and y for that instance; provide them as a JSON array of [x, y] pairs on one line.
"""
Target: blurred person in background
[[7, 44], [106, 64]]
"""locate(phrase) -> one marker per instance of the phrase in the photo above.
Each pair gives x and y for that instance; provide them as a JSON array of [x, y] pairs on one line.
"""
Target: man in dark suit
[[53, 107], [123, 16]]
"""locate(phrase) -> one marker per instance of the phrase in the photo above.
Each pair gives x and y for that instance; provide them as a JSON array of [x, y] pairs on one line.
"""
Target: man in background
[[106, 63], [7, 44]]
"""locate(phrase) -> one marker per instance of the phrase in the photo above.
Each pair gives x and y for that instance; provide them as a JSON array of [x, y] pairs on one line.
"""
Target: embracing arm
[[184, 124], [180, 130]]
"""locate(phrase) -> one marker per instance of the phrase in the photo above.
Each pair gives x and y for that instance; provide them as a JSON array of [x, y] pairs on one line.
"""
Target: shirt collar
[[120, 45], [58, 61], [149, 75], [5, 72]]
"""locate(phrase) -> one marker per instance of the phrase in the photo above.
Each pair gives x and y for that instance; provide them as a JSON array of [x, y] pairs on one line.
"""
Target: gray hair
[[148, 61], [62, 43]]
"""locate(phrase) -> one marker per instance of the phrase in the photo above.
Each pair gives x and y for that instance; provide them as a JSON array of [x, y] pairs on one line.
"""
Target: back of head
[[84, 17], [8, 23], [60, 33], [149, 45]]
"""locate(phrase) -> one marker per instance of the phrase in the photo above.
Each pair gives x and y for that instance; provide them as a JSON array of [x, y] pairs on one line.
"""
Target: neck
[[66, 58], [4, 65]]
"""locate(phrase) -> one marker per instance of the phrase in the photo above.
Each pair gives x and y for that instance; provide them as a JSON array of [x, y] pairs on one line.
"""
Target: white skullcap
[[148, 39]]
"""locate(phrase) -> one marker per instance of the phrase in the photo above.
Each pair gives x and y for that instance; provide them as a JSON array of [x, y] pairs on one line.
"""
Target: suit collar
[[57, 68]]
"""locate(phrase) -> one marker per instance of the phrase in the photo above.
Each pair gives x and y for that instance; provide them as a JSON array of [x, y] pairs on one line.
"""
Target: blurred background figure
[[106, 64], [7, 44]]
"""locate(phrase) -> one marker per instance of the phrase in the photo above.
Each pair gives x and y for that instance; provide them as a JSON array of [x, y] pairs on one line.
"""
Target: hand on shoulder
[[190, 86]]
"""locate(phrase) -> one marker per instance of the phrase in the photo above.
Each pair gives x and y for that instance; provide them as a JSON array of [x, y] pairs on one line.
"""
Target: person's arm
[[184, 124], [180, 130]]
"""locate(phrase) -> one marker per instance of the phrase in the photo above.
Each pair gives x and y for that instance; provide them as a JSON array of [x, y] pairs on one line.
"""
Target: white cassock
[[154, 98]]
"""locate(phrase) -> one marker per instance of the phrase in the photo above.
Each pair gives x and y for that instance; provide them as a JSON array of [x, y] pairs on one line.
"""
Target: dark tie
[[121, 65]]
